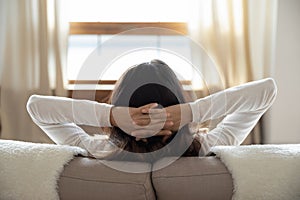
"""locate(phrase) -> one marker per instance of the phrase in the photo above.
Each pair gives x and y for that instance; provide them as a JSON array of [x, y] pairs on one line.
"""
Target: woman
[[135, 123]]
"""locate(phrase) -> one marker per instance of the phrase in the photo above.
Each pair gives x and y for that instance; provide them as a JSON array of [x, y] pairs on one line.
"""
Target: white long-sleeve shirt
[[241, 106]]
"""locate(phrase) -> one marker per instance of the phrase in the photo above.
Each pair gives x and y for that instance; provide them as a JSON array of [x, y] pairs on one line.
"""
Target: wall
[[284, 117]]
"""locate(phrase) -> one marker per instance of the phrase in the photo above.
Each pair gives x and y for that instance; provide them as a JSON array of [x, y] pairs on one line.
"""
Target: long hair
[[152, 82]]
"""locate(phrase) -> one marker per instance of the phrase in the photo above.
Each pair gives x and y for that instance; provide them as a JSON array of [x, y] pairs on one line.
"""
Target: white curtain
[[32, 60], [239, 35]]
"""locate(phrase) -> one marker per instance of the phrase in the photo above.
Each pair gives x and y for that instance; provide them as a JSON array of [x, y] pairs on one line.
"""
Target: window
[[94, 23]]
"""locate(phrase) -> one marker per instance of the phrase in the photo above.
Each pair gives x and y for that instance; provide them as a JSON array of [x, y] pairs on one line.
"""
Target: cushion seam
[[145, 190]]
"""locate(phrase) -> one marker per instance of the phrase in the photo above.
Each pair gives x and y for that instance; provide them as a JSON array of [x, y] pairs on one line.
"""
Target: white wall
[[284, 117]]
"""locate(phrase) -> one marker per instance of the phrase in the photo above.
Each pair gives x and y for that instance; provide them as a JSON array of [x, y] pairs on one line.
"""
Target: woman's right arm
[[241, 106]]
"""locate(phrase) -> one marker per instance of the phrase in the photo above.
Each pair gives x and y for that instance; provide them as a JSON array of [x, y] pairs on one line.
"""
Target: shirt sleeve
[[241, 106], [58, 117]]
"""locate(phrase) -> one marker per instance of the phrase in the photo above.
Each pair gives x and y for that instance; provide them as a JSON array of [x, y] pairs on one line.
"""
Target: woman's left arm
[[58, 118]]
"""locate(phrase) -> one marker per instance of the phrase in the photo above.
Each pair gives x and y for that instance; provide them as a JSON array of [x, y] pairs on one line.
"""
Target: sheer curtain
[[32, 60], [239, 35]]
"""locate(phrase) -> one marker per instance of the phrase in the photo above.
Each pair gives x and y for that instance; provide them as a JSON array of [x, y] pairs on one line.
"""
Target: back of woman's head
[[148, 83], [152, 82]]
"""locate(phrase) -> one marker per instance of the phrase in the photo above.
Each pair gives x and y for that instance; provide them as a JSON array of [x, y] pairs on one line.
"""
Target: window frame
[[111, 28]]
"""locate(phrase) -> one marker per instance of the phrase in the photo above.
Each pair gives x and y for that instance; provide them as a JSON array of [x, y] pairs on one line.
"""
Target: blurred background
[[45, 43]]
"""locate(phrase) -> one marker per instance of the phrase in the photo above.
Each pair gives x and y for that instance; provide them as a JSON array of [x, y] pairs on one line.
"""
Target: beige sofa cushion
[[86, 178], [193, 178]]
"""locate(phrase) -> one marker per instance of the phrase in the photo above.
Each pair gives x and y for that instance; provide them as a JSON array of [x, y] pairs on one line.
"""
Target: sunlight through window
[[81, 46], [128, 11]]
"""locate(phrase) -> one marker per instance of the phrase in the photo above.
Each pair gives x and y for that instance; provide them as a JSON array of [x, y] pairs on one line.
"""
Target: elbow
[[271, 91], [32, 105], [272, 87]]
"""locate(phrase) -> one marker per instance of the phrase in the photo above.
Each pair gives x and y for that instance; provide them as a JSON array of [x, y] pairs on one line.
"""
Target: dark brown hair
[[152, 82]]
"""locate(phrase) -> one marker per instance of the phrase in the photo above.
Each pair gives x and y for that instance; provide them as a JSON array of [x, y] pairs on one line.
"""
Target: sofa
[[187, 178]]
